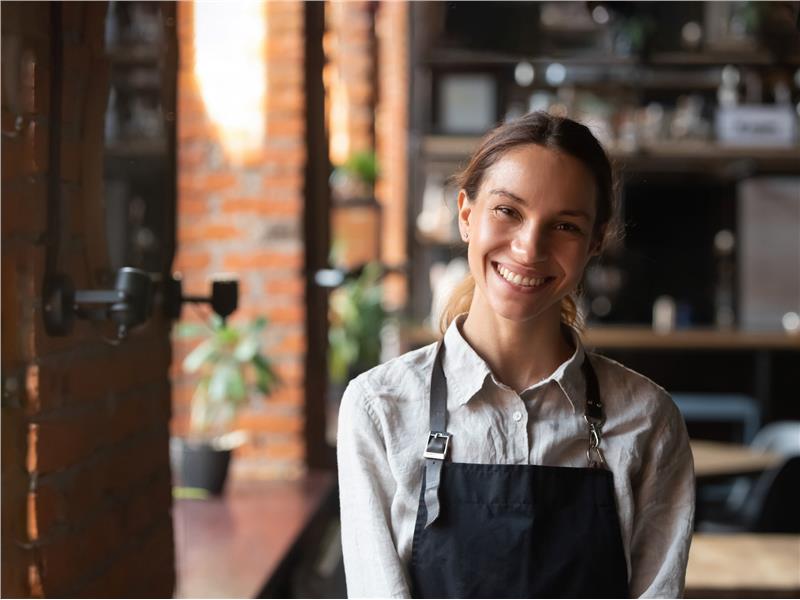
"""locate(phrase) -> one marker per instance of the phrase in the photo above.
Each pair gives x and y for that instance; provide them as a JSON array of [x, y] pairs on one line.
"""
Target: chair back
[[772, 505], [782, 437]]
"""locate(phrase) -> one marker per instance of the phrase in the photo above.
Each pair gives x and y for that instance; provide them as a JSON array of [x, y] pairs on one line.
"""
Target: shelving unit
[[660, 179]]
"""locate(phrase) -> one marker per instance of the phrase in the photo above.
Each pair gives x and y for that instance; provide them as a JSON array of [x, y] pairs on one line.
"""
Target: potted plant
[[233, 372], [355, 179]]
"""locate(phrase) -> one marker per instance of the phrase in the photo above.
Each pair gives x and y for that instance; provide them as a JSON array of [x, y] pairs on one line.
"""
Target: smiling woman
[[560, 160], [505, 460]]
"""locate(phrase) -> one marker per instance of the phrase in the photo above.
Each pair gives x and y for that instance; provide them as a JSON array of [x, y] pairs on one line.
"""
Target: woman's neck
[[519, 354]]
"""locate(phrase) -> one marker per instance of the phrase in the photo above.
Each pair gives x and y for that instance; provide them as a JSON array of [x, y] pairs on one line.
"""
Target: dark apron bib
[[514, 531]]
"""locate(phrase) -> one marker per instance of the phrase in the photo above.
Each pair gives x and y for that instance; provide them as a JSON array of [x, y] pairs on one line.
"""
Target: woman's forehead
[[533, 172]]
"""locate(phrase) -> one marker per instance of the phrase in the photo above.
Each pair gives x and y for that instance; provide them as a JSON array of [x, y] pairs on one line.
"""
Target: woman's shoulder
[[632, 391], [400, 380]]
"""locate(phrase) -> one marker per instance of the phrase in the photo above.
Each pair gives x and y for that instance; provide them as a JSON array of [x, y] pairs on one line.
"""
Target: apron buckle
[[594, 454], [438, 444]]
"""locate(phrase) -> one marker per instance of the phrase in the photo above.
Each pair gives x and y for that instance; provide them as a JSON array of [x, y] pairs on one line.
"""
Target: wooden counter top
[[717, 459], [229, 547], [743, 566]]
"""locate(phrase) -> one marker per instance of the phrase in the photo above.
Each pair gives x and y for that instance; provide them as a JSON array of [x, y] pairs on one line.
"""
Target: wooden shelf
[[667, 156], [457, 57], [688, 339], [644, 338]]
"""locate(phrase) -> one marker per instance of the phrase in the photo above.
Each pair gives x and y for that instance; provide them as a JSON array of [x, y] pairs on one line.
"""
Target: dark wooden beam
[[319, 455]]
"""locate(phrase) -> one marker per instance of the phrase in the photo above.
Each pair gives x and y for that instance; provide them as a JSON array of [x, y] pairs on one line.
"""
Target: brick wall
[[367, 95], [85, 473], [245, 216], [391, 135]]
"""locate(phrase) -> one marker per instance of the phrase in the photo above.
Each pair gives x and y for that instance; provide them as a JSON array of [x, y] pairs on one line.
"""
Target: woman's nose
[[530, 245]]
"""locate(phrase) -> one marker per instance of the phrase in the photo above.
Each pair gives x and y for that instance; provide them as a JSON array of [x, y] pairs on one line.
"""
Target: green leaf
[[189, 330], [226, 384], [247, 348], [204, 353]]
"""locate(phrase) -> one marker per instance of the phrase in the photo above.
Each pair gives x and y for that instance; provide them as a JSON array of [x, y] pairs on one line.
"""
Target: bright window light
[[231, 71]]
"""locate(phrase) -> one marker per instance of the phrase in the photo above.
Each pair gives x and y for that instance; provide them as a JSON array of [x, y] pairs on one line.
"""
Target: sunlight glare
[[231, 71]]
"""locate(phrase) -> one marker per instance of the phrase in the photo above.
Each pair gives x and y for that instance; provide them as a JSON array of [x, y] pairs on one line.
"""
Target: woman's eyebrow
[[566, 212], [502, 192]]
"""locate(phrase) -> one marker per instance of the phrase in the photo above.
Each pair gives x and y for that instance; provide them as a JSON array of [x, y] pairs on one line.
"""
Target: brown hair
[[556, 133]]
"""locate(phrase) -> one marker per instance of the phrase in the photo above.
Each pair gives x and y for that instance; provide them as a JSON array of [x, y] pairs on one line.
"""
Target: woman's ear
[[464, 211]]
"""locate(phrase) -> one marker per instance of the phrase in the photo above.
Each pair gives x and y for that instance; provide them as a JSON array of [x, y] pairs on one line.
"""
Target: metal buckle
[[594, 454], [433, 438]]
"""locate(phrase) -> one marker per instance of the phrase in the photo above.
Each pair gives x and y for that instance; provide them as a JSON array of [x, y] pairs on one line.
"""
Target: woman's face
[[529, 231]]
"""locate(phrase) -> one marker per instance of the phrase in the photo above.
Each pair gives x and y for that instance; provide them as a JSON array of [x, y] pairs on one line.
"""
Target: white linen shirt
[[383, 430]]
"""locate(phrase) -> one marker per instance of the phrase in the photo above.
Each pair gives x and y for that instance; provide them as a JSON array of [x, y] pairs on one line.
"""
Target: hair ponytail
[[459, 302]]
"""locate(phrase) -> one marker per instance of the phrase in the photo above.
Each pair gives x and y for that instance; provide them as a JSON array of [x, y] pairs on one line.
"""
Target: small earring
[[466, 235]]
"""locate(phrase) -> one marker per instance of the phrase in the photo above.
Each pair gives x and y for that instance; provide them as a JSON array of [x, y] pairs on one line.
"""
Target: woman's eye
[[505, 211], [568, 227]]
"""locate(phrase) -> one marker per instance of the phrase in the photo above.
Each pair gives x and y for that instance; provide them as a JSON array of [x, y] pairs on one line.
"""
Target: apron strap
[[595, 418], [438, 439]]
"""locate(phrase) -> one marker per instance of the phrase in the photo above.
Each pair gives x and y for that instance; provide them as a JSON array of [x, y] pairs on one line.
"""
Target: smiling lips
[[518, 279]]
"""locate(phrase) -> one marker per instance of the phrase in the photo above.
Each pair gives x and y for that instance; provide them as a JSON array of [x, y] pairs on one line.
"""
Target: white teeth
[[518, 279]]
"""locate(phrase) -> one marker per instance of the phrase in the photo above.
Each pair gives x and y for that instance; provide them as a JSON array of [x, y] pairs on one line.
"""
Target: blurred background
[[214, 215]]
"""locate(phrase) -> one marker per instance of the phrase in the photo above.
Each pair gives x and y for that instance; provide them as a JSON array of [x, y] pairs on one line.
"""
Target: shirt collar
[[466, 371]]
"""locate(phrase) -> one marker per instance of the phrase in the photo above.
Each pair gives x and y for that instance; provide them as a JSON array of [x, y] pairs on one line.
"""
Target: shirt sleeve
[[366, 488], [664, 511]]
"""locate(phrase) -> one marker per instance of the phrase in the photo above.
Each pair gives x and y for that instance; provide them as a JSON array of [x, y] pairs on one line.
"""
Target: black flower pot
[[203, 466]]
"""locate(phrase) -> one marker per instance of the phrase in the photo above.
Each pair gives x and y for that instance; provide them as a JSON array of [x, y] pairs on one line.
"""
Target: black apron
[[516, 531]]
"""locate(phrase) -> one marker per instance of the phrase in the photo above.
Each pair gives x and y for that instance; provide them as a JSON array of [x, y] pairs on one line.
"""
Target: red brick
[[24, 207], [290, 179], [263, 259], [218, 181], [290, 373], [294, 450], [115, 474], [286, 314], [54, 445], [289, 99], [290, 287], [207, 232], [286, 396], [291, 344], [289, 76], [191, 259], [192, 205], [86, 378], [262, 207], [268, 423], [191, 157], [282, 156], [191, 106], [198, 129]]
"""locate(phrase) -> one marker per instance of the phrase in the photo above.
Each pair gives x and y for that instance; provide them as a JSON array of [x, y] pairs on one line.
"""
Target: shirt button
[[517, 416]]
